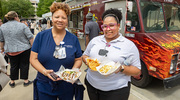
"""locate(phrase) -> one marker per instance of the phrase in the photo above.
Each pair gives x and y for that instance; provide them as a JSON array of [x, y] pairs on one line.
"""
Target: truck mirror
[[130, 6]]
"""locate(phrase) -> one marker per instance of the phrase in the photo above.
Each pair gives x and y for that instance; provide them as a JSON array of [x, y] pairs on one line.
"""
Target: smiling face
[[111, 29], [59, 19]]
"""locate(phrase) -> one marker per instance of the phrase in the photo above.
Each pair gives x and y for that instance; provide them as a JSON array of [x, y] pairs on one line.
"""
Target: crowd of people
[[41, 25], [16, 39], [54, 46]]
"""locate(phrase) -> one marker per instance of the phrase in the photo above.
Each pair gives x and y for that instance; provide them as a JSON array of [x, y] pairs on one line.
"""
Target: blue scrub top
[[44, 45]]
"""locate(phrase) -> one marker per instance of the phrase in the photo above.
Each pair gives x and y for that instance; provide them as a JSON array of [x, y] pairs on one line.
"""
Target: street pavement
[[19, 92]]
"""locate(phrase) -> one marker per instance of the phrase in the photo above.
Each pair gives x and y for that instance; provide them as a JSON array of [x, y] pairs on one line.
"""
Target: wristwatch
[[122, 68]]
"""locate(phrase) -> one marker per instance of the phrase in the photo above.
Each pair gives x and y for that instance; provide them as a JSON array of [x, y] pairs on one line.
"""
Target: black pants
[[119, 94], [19, 62], [0, 87], [6, 58]]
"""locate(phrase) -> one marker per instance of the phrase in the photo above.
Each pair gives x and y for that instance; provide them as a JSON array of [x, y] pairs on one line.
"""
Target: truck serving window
[[153, 18], [76, 19], [172, 13]]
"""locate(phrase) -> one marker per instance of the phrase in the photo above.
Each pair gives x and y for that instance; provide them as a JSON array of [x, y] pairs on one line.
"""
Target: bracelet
[[44, 72]]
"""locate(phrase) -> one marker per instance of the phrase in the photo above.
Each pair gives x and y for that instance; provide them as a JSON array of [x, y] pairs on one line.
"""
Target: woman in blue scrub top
[[117, 48], [51, 49]]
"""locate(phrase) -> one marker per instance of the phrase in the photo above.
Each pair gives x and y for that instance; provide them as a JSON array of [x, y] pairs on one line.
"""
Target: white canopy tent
[[46, 15]]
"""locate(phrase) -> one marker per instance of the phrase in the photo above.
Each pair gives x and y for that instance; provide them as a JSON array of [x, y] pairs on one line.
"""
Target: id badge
[[103, 52], [62, 53]]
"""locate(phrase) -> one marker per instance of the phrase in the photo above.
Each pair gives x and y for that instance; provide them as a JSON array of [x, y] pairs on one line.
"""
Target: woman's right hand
[[84, 59]]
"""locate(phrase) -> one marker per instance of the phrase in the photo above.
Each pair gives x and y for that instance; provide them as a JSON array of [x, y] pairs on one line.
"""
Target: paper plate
[[108, 68]]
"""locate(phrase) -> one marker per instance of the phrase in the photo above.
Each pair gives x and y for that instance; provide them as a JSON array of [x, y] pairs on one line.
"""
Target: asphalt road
[[156, 91]]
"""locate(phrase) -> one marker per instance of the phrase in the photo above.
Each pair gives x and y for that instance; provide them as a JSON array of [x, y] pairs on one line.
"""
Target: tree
[[44, 5], [3, 8], [24, 8], [60, 0]]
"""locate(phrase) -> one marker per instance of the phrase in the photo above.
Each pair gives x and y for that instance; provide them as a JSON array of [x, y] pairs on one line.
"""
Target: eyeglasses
[[111, 26]]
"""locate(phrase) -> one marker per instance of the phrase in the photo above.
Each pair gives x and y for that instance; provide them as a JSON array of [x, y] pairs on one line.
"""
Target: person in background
[[33, 25], [16, 40], [39, 26], [44, 24], [5, 20], [48, 23], [24, 21], [44, 57], [115, 47], [5, 57], [28, 23], [91, 28], [51, 23]]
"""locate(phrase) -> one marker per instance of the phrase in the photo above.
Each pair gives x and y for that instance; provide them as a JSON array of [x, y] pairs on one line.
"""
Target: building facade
[[35, 5]]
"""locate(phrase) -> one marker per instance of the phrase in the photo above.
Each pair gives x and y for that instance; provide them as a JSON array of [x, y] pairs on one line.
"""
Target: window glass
[[76, 19], [153, 18], [172, 13], [132, 17]]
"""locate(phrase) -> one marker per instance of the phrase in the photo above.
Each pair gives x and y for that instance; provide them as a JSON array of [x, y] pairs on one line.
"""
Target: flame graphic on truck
[[156, 57], [174, 43]]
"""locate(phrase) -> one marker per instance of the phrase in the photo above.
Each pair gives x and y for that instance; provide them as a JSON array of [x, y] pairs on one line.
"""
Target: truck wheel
[[143, 79]]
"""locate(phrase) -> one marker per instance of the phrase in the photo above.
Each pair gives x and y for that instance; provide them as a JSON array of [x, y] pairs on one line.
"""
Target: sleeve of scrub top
[[78, 52]]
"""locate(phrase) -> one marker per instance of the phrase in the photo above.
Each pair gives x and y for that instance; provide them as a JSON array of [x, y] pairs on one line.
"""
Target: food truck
[[154, 27]]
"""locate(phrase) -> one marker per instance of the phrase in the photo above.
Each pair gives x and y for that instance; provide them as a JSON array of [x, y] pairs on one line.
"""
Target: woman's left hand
[[118, 70], [129, 70], [50, 74]]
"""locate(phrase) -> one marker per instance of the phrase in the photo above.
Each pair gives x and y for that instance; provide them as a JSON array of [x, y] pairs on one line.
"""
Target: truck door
[[121, 5]]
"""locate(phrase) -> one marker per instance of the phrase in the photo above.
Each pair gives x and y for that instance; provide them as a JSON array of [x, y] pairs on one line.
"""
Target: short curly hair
[[114, 13], [63, 6]]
